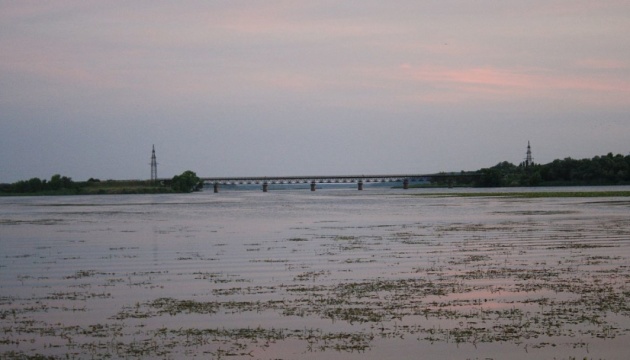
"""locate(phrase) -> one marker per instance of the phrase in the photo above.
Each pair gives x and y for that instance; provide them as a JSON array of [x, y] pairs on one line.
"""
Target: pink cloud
[[491, 83], [583, 7], [602, 64]]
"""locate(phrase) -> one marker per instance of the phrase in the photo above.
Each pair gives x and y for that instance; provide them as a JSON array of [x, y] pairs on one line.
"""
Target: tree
[[187, 182], [60, 182], [489, 178], [35, 185], [55, 182]]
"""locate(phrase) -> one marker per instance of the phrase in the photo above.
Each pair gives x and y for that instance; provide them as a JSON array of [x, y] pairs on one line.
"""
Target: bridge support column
[[406, 184], [216, 187], [313, 185], [360, 185], [265, 186]]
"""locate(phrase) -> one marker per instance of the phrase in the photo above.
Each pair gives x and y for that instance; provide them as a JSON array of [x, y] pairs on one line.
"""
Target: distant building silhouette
[[153, 166]]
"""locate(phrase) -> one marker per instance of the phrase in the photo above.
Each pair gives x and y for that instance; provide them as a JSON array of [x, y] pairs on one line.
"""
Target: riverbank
[[109, 187], [186, 182], [125, 187], [533, 194]]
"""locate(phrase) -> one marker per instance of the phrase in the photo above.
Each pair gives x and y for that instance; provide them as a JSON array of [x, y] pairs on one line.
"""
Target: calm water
[[335, 273]]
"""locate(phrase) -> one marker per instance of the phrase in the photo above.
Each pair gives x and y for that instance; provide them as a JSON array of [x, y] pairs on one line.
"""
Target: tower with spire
[[153, 166], [529, 161]]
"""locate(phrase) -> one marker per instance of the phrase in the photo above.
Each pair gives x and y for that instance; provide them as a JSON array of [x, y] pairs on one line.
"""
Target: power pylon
[[529, 161], [153, 166]]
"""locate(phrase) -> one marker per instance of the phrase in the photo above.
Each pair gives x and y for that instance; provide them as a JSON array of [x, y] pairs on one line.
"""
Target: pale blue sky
[[267, 88]]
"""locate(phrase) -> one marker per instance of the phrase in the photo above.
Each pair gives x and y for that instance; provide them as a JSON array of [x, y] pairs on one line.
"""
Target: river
[[336, 273]]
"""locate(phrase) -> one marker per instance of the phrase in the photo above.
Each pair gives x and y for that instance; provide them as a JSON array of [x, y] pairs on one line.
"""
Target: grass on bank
[[537, 194], [108, 187], [124, 187]]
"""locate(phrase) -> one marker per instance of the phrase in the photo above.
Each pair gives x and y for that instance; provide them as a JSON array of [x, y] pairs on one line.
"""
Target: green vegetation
[[601, 170], [123, 187], [57, 185], [539, 194], [188, 181], [63, 185]]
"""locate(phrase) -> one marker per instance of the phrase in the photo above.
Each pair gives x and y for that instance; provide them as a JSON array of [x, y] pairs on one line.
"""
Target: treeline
[[57, 183], [601, 170], [63, 185]]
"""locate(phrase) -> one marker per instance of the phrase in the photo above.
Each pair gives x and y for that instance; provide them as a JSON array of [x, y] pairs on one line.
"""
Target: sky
[[273, 88]]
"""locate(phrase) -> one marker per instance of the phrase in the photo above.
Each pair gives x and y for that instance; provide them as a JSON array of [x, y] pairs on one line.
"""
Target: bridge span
[[265, 181]]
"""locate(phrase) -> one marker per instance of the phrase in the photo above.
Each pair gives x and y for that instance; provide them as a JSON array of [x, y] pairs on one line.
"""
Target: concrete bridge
[[449, 178]]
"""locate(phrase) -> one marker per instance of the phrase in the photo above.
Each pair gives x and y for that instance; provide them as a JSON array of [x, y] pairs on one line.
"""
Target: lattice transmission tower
[[153, 166], [529, 161]]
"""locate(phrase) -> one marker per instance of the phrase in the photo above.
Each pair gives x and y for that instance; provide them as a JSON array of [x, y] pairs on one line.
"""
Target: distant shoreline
[[158, 189], [108, 187], [58, 185], [533, 194]]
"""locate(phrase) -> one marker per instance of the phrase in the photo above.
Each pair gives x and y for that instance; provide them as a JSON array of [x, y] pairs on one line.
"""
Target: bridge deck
[[315, 177], [335, 178]]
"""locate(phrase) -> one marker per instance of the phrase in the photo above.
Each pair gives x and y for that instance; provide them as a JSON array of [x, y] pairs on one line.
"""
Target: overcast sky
[[266, 88]]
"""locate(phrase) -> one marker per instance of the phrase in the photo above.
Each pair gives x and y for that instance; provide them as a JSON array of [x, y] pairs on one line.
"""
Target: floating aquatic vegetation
[[554, 283]]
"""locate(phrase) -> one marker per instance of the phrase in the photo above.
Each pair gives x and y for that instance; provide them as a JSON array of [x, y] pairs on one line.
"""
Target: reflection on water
[[299, 274]]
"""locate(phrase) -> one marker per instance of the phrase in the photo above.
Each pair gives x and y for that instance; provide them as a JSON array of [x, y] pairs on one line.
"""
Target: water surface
[[335, 273]]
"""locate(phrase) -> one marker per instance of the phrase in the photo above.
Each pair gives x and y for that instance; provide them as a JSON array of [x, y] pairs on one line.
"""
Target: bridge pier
[[360, 185], [216, 187], [406, 184], [313, 185], [265, 186]]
